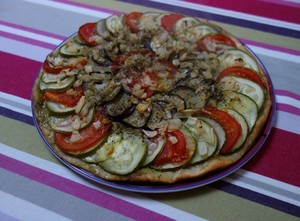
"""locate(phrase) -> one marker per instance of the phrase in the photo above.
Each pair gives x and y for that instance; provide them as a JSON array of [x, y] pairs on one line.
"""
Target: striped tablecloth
[[34, 185]]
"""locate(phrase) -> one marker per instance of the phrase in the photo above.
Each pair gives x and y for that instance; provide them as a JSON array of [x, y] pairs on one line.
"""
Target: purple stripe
[[83, 192], [288, 3], [96, 8], [257, 197], [25, 28], [16, 115], [288, 108], [271, 47], [288, 94], [27, 40]]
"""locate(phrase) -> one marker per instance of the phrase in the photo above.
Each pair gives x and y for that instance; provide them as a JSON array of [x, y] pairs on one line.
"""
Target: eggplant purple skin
[[120, 106]]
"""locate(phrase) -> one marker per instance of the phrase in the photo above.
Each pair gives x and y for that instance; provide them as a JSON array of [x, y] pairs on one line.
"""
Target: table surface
[[34, 185]]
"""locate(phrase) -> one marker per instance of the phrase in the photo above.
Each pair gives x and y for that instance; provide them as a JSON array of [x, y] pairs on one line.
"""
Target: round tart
[[150, 97]]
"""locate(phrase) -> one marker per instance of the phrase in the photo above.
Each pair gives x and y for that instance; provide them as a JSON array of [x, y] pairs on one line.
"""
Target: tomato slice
[[232, 128], [52, 70], [169, 67], [215, 39], [86, 32], [173, 153], [145, 84], [56, 70], [168, 21], [90, 137], [120, 59], [131, 21], [64, 97], [242, 72]]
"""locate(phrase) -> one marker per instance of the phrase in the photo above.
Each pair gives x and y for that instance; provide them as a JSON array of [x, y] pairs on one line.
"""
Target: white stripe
[[24, 50], [230, 13], [71, 8], [64, 172], [266, 192], [16, 109], [26, 211], [287, 121], [269, 181], [287, 100], [274, 54], [15, 99], [30, 35]]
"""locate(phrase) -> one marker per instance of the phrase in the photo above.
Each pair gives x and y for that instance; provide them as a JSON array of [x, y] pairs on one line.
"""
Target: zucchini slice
[[59, 109], [122, 153], [237, 57], [244, 86], [100, 27], [241, 120], [154, 149], [52, 78], [71, 123], [185, 22], [242, 104], [114, 24], [57, 86], [220, 133], [206, 138], [71, 50]]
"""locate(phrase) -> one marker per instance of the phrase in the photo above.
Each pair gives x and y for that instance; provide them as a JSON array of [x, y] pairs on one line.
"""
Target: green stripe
[[24, 137], [213, 204]]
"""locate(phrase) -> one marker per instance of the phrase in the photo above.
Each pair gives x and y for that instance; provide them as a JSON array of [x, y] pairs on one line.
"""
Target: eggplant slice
[[138, 119], [120, 106]]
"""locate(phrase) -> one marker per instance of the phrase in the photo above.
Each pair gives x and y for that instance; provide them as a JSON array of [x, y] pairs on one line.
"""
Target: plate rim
[[188, 184]]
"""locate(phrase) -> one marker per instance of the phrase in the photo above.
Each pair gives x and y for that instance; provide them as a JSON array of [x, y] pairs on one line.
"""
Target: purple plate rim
[[189, 184]]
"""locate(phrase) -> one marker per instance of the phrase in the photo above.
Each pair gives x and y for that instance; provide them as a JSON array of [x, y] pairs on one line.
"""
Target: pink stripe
[[19, 78], [288, 94], [279, 2], [278, 158], [83, 192], [27, 40], [260, 8], [288, 108], [96, 8], [271, 47], [25, 28]]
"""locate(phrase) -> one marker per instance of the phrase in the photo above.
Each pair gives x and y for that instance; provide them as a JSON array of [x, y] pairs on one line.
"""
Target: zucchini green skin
[[230, 56], [191, 146], [206, 138], [246, 87], [64, 84], [152, 154], [241, 120], [60, 109], [65, 125], [242, 104], [72, 50], [122, 153]]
